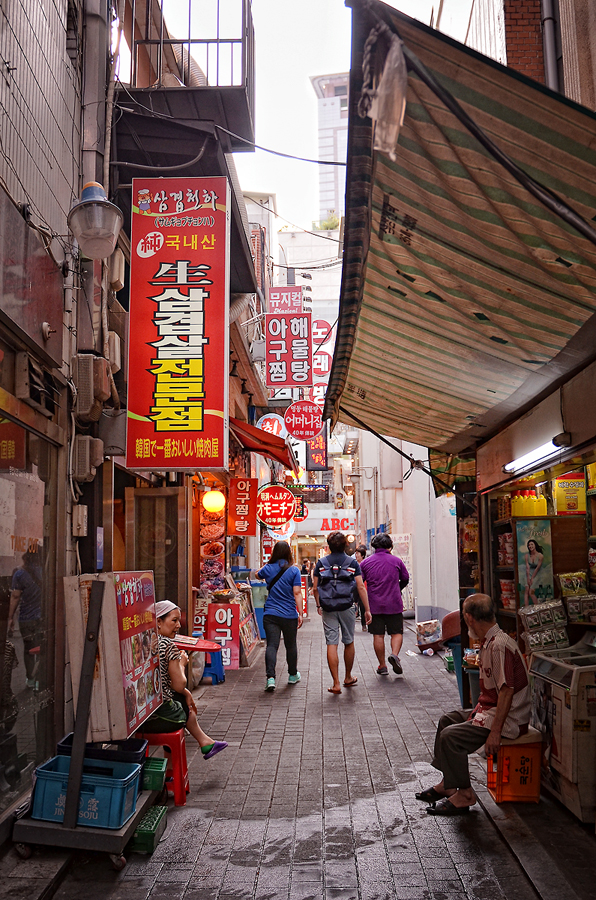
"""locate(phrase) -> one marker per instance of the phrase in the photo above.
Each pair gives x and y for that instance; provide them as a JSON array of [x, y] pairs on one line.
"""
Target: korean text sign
[[285, 299], [288, 349], [223, 626], [137, 630], [178, 324], [316, 453], [276, 505], [242, 506]]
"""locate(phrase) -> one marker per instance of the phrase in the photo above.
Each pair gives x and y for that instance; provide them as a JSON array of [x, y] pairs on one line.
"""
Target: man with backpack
[[333, 579]]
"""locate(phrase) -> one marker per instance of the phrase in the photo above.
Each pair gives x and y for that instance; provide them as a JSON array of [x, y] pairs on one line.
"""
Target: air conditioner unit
[[34, 385], [87, 456], [112, 431], [91, 377]]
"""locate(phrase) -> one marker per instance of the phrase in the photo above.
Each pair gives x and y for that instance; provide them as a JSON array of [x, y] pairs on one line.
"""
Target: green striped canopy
[[464, 300]]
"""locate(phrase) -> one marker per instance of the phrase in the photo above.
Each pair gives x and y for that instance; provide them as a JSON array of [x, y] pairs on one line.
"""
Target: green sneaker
[[270, 686], [294, 679]]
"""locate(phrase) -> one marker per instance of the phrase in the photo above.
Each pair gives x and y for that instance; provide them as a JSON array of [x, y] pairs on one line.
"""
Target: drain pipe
[[549, 40]]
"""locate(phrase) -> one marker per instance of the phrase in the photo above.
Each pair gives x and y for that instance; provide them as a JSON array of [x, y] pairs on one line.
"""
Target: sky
[[297, 39]]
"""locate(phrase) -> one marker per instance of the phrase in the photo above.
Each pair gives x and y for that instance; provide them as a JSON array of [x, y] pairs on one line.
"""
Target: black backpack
[[336, 583]]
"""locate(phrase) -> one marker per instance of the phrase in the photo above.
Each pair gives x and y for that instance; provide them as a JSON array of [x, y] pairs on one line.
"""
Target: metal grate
[[209, 43]]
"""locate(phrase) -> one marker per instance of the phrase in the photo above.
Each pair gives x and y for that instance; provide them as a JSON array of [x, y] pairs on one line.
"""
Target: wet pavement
[[314, 798]]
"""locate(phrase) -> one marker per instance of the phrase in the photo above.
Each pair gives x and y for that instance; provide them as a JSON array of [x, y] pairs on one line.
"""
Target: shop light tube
[[533, 456]]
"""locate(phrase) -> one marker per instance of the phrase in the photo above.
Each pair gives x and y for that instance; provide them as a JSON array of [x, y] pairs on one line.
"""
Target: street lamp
[[95, 222]]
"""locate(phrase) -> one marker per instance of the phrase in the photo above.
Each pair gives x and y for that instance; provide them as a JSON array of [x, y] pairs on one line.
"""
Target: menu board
[[213, 550], [137, 631]]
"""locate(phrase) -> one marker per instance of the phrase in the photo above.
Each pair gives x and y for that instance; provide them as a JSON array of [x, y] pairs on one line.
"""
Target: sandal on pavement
[[333, 690], [446, 808], [351, 682], [382, 670], [430, 795], [218, 746]]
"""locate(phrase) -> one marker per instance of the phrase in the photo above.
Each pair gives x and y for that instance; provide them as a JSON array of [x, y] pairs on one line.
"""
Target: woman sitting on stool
[[178, 709]]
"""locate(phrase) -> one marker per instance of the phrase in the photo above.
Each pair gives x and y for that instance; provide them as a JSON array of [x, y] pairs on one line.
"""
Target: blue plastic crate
[[108, 792]]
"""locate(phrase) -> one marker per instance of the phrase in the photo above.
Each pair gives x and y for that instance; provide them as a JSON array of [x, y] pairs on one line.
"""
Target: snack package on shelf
[[574, 584], [508, 595], [581, 608]]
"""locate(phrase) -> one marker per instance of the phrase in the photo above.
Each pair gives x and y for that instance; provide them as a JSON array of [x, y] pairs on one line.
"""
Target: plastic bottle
[[541, 507], [517, 504], [529, 499]]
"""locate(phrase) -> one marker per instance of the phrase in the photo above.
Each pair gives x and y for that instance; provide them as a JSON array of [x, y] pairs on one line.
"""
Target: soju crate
[[149, 830], [131, 751], [154, 773], [108, 792]]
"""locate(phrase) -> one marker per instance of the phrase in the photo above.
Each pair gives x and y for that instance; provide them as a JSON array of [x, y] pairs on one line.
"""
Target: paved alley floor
[[314, 798]]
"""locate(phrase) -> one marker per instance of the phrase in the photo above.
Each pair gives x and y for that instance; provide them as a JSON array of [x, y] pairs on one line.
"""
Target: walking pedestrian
[[333, 579], [283, 611], [385, 576], [360, 554]]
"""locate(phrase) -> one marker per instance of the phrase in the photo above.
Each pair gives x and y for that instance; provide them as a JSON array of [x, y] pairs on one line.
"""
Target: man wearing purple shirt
[[385, 576]]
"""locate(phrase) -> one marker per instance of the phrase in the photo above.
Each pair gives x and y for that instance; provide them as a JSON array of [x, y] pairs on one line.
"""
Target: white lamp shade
[[95, 222]]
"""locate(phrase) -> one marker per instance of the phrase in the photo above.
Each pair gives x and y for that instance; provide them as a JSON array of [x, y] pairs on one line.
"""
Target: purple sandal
[[217, 746]]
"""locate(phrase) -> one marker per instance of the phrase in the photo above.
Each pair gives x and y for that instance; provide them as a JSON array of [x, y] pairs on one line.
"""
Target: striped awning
[[464, 298]]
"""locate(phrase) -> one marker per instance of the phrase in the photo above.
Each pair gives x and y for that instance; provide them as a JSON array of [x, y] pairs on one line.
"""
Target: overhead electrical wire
[[305, 230]]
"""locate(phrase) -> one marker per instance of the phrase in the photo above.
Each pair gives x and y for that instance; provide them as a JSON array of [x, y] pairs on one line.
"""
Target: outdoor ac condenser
[[87, 456], [91, 377]]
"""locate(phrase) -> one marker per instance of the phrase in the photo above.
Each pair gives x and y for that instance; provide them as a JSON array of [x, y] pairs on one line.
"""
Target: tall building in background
[[332, 93]]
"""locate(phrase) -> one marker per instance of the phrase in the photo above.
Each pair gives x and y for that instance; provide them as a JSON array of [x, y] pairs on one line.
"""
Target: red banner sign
[[285, 299], [223, 626], [178, 347], [276, 505], [242, 506], [303, 420], [289, 349]]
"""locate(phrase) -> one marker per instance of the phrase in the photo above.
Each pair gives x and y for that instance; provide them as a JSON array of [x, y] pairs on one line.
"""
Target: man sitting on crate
[[503, 710]]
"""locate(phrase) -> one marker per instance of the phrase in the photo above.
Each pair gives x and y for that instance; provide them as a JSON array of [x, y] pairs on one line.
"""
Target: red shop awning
[[264, 443]]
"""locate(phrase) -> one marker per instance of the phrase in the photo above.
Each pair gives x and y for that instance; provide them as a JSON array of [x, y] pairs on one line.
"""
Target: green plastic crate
[[154, 773], [448, 662], [149, 830]]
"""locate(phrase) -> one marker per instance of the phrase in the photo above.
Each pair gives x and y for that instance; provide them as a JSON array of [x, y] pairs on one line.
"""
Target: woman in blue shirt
[[283, 611]]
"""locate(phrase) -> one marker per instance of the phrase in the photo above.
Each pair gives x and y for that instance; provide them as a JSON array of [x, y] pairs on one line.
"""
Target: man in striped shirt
[[503, 710]]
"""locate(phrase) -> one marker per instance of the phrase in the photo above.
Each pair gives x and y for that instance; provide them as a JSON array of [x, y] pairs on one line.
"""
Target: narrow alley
[[315, 799]]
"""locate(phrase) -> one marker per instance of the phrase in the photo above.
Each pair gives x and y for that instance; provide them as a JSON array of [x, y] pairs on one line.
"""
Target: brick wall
[[523, 36]]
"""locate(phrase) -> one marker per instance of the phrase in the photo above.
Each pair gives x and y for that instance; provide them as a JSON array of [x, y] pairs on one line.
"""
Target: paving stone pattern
[[314, 798]]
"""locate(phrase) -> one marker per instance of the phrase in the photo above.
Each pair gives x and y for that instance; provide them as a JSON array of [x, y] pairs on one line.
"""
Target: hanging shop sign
[[275, 505], [273, 424], [242, 506], [322, 332], [301, 515], [321, 363], [303, 420], [178, 350], [288, 349], [267, 547], [223, 626], [316, 453], [328, 520], [285, 298]]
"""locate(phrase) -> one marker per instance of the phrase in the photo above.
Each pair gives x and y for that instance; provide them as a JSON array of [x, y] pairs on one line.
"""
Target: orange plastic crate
[[517, 774]]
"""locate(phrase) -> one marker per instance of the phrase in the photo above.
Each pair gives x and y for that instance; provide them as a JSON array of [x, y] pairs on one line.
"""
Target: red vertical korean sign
[[178, 324], [223, 626], [242, 506], [288, 349]]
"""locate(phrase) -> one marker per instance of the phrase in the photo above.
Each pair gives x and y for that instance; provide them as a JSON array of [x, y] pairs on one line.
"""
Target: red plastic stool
[[177, 766]]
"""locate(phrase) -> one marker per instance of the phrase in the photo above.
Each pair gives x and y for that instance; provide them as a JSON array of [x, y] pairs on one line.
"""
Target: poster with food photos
[[137, 630]]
